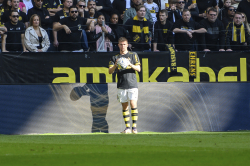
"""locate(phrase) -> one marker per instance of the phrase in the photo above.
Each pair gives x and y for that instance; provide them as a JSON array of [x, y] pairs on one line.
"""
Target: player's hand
[[67, 30]]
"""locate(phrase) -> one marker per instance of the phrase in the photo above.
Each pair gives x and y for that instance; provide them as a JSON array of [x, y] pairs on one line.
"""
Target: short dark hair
[[239, 13], [139, 7], [73, 6], [212, 9], [164, 11], [186, 10], [122, 39], [12, 11]]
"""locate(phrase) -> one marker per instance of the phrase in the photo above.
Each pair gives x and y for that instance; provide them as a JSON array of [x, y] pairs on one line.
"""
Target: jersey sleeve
[[112, 62], [136, 59]]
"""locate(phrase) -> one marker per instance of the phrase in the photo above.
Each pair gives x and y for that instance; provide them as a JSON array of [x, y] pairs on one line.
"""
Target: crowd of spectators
[[96, 25]]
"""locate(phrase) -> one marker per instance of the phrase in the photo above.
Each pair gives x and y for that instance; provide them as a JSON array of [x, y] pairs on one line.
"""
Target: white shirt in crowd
[[153, 8], [28, 4]]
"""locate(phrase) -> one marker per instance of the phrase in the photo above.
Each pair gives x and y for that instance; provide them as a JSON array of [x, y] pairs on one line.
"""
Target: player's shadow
[[99, 101]]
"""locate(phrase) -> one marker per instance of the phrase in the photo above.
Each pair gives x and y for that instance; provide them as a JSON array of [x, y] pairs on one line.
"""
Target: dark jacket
[[46, 23], [119, 32]]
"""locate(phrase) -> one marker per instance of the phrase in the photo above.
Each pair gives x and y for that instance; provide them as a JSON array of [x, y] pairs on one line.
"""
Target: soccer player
[[127, 83]]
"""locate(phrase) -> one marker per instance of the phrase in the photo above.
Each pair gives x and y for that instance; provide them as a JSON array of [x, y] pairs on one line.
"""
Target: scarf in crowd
[[136, 30], [107, 42], [242, 33]]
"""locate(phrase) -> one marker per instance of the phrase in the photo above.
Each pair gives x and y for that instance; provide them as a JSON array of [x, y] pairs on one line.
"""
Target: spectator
[[52, 6], [81, 5], [94, 14], [71, 27], [13, 39], [28, 4], [22, 16], [237, 35], [22, 6], [95, 36], [163, 32], [153, 8], [119, 31], [214, 39], [203, 5], [43, 13], [139, 30], [224, 9], [6, 5], [173, 14], [244, 7], [104, 7], [36, 38], [1, 11], [120, 6], [190, 5], [244, 20], [131, 12], [185, 31], [58, 16], [230, 15]]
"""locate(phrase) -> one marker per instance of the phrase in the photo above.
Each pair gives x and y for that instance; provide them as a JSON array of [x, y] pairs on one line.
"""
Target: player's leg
[[133, 97], [122, 97]]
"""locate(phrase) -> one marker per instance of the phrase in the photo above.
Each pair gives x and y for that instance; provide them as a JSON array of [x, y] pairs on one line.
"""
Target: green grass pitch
[[146, 148]]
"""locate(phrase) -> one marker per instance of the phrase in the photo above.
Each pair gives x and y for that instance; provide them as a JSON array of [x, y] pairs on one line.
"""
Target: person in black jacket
[[162, 32], [214, 39], [223, 11], [237, 35], [119, 31], [185, 32], [230, 15], [244, 7], [38, 9]]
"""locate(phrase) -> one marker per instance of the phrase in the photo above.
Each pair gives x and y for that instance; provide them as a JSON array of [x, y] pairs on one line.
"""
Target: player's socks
[[126, 118], [134, 114]]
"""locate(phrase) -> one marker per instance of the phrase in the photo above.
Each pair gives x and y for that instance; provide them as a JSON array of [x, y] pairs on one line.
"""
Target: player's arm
[[135, 67], [112, 68]]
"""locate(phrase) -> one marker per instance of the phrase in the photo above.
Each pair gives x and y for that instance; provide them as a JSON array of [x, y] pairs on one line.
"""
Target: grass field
[[146, 148]]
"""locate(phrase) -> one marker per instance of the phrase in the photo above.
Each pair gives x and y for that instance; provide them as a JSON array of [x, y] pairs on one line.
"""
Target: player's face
[[68, 3], [35, 21], [38, 3], [212, 16], [114, 19], [123, 46], [14, 17], [162, 17], [227, 3], [141, 13], [91, 4], [73, 13], [186, 16], [15, 4], [238, 19]]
